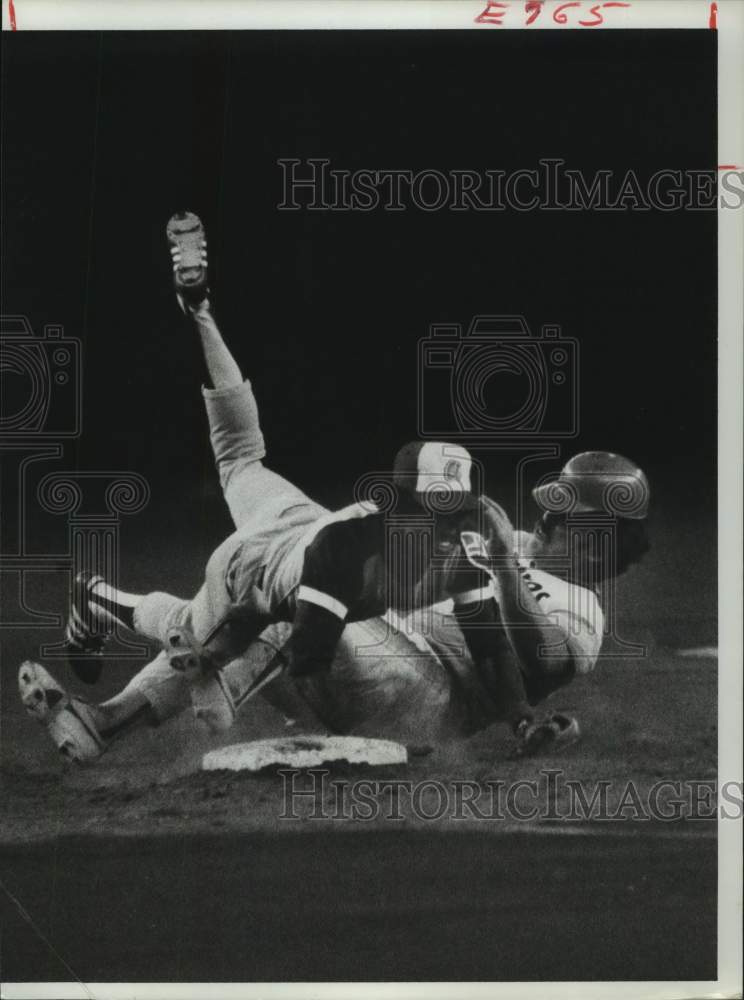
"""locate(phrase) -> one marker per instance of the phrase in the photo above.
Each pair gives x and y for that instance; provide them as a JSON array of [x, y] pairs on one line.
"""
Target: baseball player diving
[[335, 611]]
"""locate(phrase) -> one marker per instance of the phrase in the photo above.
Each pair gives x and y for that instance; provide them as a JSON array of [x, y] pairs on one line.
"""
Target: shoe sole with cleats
[[188, 247], [68, 720]]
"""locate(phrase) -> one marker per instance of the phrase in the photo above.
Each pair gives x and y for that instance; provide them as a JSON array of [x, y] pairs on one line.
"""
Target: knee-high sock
[[222, 367]]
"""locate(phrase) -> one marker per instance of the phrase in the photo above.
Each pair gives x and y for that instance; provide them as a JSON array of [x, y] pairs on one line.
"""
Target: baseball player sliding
[[301, 592]]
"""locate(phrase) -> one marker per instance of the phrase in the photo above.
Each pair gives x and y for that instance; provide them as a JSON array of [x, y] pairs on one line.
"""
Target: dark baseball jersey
[[359, 565]]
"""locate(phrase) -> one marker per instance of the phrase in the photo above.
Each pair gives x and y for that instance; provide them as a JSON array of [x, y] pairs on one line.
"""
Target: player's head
[[434, 476], [596, 490]]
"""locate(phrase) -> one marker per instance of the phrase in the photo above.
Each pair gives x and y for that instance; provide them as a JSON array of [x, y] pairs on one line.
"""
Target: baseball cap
[[426, 467]]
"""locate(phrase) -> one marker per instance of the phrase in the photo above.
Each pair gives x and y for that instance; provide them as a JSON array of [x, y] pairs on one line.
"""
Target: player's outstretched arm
[[494, 657], [542, 648]]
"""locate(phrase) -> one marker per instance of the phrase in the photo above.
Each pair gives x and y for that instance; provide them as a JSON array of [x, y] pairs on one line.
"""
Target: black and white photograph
[[370, 541]]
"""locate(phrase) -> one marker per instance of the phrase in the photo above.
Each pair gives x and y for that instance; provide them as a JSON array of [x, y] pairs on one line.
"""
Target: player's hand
[[497, 528], [554, 732]]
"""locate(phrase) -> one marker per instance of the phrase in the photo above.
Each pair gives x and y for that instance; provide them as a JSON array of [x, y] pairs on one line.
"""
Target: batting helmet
[[596, 481]]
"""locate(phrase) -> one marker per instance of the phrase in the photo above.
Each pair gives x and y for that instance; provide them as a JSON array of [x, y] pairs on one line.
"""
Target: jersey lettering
[[537, 590]]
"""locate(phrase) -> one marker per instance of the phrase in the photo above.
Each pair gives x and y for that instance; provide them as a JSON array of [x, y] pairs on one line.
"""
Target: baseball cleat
[[188, 248], [210, 695], [84, 637], [69, 721], [554, 732]]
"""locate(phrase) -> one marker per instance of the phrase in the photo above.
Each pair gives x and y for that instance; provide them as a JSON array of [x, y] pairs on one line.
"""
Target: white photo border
[[727, 16]]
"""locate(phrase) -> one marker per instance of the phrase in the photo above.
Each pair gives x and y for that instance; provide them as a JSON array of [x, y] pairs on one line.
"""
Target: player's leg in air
[[269, 512], [258, 500], [265, 507]]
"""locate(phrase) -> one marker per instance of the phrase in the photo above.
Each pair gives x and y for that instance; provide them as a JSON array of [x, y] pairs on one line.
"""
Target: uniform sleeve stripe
[[322, 600], [472, 596]]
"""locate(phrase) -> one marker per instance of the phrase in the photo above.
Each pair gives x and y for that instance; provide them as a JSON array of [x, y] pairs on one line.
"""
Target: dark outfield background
[[105, 136]]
